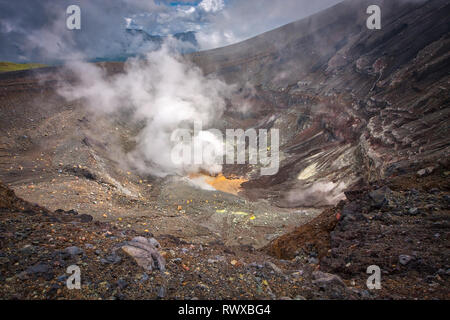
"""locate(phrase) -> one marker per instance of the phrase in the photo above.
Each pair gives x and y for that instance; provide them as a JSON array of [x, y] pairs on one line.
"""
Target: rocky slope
[[351, 102], [400, 225], [37, 247]]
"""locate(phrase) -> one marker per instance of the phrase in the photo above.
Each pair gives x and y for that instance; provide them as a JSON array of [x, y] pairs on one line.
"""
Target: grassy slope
[[11, 66]]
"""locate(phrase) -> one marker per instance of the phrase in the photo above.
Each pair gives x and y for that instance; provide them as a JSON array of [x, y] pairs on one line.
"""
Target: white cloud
[[239, 20], [211, 5], [209, 39]]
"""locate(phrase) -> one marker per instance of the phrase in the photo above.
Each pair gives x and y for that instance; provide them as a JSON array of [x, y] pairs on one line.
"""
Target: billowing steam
[[162, 90], [317, 194]]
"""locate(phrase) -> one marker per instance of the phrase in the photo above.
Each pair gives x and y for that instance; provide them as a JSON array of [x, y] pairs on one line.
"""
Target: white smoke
[[164, 91], [317, 194]]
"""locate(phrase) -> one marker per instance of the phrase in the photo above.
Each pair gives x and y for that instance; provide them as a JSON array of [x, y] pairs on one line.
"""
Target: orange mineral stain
[[221, 183]]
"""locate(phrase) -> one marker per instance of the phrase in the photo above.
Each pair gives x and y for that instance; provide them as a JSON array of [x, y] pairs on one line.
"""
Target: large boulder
[[144, 251]]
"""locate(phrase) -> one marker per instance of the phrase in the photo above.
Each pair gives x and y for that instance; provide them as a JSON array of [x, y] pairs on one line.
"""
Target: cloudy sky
[[36, 30]]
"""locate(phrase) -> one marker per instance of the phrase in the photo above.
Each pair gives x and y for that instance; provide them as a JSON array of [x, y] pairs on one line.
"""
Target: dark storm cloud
[[36, 30]]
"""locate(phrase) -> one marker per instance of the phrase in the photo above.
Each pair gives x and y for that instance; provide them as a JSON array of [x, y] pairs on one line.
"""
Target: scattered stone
[[27, 249], [404, 259], [327, 279], [202, 286], [104, 284], [85, 218], [23, 275], [72, 212], [122, 284], [272, 266], [54, 288], [425, 172], [21, 235], [41, 270], [379, 196], [161, 292], [297, 274], [255, 265], [4, 260], [73, 250], [221, 258], [111, 259], [353, 195], [38, 268]]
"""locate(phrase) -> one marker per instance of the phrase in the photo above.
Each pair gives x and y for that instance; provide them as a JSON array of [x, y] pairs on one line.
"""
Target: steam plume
[[162, 90]]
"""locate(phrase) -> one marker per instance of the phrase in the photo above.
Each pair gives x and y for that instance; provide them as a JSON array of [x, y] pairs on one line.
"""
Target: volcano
[[363, 117]]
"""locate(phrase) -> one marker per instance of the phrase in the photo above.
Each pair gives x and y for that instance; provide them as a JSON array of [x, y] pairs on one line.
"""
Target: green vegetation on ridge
[[11, 66]]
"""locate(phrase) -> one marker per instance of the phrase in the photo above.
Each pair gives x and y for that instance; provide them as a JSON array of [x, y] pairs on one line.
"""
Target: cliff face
[[360, 110], [350, 102]]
